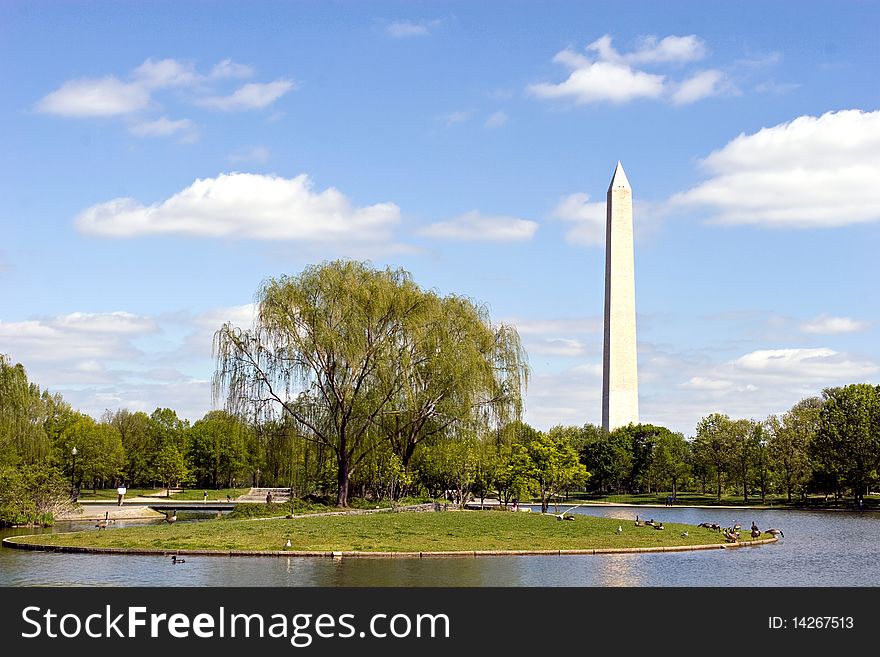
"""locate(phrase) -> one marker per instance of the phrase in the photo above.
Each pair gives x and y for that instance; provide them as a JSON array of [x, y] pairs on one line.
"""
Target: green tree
[[22, 415], [848, 439], [458, 370], [340, 350], [553, 466], [217, 449], [138, 443], [711, 447], [742, 440], [608, 458], [789, 443], [669, 465], [169, 467]]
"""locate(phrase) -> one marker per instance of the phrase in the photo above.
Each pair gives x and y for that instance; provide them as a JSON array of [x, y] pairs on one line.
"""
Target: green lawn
[[392, 532]]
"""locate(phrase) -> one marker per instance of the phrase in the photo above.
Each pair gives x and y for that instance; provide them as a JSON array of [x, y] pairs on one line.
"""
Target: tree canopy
[[344, 351]]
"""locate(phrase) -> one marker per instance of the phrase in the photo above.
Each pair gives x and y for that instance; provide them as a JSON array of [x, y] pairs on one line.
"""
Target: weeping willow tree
[[460, 372], [344, 350], [22, 412]]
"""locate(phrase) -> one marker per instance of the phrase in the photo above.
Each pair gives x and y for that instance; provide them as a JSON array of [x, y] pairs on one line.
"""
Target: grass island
[[402, 533]]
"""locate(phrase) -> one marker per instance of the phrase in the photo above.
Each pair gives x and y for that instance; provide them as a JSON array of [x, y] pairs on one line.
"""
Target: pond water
[[820, 548]]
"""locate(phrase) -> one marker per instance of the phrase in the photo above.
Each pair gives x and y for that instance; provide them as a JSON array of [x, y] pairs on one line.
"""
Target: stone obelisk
[[620, 386]]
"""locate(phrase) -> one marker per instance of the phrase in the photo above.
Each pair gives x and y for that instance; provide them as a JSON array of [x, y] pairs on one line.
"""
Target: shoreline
[[10, 542]]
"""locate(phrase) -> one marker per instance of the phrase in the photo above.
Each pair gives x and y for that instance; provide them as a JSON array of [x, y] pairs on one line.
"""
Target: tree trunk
[[342, 476]]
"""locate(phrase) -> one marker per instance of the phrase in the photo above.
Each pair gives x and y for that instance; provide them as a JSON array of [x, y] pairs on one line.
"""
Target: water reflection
[[819, 549]]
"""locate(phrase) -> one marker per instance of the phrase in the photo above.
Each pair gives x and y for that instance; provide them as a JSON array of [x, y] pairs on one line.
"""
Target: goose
[[619, 529], [737, 526], [287, 544], [172, 518], [175, 559], [756, 532], [638, 522], [774, 532], [754, 526], [684, 534], [659, 525], [102, 524]]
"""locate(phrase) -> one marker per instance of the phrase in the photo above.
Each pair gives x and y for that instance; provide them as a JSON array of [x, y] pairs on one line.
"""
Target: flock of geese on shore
[[731, 534]]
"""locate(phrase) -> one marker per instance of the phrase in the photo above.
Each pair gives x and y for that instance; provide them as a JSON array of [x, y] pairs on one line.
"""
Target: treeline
[[355, 381], [827, 445]]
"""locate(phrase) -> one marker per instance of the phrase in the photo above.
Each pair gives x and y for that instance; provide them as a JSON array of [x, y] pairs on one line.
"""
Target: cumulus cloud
[[254, 95], [110, 96], [810, 172], [76, 348], [157, 74], [474, 226], [401, 29], [825, 324], [249, 206], [183, 129], [557, 326], [230, 69], [701, 85], [564, 347], [650, 50], [102, 97], [606, 75], [586, 218], [496, 120]]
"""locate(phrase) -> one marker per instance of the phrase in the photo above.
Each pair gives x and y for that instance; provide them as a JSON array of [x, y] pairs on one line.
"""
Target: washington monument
[[620, 385]]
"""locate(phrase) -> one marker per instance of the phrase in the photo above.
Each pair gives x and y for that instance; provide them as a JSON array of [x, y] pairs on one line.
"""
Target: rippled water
[[820, 548]]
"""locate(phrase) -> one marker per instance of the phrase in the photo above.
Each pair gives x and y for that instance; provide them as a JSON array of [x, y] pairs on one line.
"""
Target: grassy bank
[[391, 532]]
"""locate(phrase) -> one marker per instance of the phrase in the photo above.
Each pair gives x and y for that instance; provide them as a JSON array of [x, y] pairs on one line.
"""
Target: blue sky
[[160, 160]]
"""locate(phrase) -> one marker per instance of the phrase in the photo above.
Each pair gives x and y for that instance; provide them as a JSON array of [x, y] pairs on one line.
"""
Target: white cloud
[[607, 75], [810, 172], [103, 97], [496, 120], [230, 69], [705, 383], [671, 49], [824, 324], [255, 95], [473, 226], [565, 325], [587, 219], [556, 347], [111, 97], [402, 29], [456, 117], [572, 397], [249, 206], [598, 81], [184, 129], [820, 364], [157, 74], [701, 85], [77, 348]]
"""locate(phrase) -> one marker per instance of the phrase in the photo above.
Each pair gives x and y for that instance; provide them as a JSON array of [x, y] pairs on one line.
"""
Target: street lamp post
[[73, 476]]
